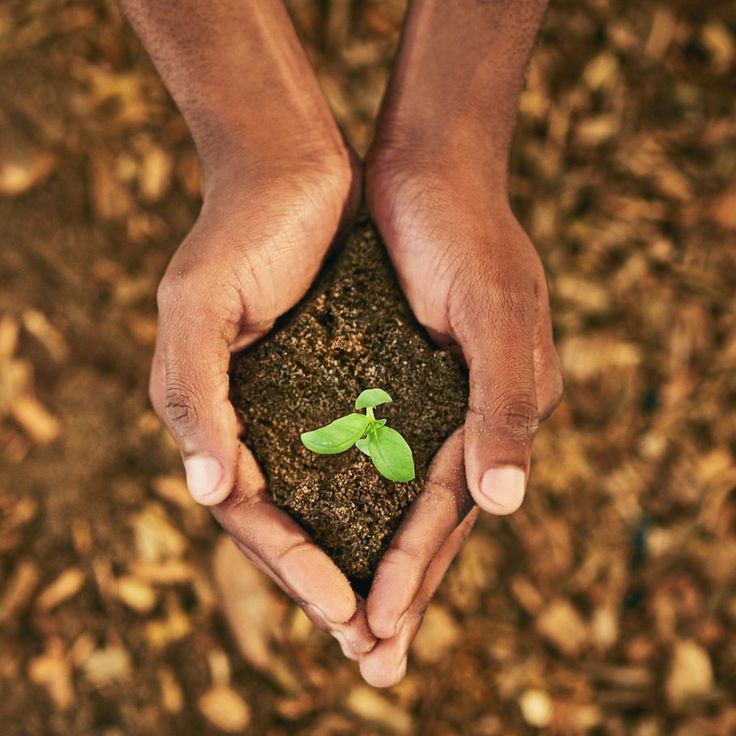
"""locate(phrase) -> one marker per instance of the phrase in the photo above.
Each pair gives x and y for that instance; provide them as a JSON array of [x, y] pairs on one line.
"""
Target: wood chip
[[18, 589], [162, 632], [136, 594], [154, 178], [563, 627], [173, 488], [8, 336], [107, 665], [38, 325], [369, 706], [661, 33], [39, 423], [66, 586], [690, 675], [225, 709], [723, 209], [536, 707], [604, 627], [438, 634], [53, 670], [248, 603], [527, 594], [111, 198], [156, 537], [24, 167], [171, 572], [15, 382], [172, 697], [719, 40]]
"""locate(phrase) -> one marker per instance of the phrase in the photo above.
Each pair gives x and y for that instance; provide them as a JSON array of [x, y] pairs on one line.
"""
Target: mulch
[[606, 605]]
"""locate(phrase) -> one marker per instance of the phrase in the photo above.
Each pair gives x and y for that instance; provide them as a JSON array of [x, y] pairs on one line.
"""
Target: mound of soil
[[354, 330]]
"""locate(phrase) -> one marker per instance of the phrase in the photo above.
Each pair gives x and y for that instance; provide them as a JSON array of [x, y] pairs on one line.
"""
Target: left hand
[[475, 282]]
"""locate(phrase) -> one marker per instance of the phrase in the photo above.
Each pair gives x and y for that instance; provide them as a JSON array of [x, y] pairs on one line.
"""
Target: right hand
[[254, 251]]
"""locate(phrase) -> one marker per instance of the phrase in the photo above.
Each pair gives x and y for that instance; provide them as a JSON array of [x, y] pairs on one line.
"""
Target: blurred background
[[607, 605]]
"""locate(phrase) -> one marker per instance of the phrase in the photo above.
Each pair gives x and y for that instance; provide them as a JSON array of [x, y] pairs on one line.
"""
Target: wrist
[[459, 171], [456, 81], [453, 149], [241, 153], [307, 178]]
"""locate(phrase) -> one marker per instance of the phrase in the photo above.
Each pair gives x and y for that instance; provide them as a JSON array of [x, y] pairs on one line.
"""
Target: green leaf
[[337, 436], [362, 445], [391, 455], [372, 397]]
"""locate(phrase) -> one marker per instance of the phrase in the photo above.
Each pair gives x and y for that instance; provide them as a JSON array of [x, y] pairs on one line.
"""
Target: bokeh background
[[607, 605]]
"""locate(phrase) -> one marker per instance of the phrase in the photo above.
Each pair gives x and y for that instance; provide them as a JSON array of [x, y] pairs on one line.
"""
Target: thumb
[[502, 415], [190, 390]]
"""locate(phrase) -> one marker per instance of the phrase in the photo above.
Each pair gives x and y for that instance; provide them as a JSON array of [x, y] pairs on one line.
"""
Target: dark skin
[[279, 182]]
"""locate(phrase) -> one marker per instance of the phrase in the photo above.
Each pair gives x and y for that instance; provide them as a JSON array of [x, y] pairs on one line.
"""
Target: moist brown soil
[[353, 331]]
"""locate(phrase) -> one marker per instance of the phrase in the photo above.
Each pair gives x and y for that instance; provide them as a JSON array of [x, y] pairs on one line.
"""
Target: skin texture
[[436, 184], [278, 184]]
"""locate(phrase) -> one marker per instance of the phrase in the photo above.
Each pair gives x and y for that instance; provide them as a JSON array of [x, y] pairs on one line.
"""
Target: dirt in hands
[[353, 331]]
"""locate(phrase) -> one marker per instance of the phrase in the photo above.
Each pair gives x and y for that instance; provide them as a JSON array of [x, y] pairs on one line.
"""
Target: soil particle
[[353, 331]]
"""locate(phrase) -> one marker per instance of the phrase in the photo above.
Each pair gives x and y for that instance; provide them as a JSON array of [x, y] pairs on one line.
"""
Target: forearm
[[240, 78], [458, 75]]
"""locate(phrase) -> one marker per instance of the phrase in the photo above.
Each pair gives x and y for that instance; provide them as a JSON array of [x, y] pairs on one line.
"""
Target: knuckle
[[180, 408], [201, 299], [479, 310], [241, 500], [168, 293], [515, 414], [517, 303], [182, 286]]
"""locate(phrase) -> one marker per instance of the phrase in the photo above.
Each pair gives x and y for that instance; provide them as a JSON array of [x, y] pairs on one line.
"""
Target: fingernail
[[204, 474], [503, 488], [401, 670]]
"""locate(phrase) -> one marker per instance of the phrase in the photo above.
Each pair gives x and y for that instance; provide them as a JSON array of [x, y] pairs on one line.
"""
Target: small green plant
[[387, 449]]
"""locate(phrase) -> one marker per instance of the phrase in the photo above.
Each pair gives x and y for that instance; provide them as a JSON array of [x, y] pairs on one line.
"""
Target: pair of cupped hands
[[474, 281]]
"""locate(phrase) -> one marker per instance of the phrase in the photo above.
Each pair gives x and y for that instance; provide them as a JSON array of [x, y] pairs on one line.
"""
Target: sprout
[[387, 449]]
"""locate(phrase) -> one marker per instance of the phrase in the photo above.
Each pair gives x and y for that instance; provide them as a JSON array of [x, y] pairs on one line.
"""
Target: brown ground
[[607, 605], [353, 331]]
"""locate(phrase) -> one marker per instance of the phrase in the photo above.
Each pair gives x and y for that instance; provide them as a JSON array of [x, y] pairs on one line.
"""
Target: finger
[[547, 373], [193, 355], [157, 379], [441, 506], [502, 411], [386, 664], [271, 535], [354, 637]]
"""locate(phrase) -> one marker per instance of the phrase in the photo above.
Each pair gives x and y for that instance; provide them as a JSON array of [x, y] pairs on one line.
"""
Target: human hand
[[413, 566], [475, 282], [252, 254]]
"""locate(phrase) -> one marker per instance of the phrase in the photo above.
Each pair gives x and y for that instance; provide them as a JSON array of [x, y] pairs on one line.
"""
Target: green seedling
[[387, 449]]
